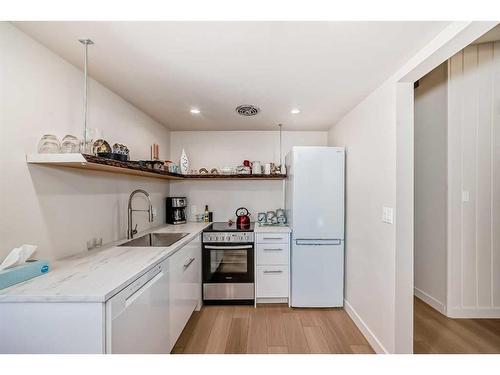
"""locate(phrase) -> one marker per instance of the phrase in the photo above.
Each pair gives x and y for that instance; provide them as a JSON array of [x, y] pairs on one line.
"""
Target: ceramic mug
[[270, 215]]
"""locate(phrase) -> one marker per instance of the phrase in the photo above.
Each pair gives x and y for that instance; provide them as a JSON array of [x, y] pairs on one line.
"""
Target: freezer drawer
[[317, 275]]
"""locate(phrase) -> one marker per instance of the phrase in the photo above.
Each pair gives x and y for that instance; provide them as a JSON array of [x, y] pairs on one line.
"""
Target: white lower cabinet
[[185, 287], [146, 316], [272, 281], [272, 267]]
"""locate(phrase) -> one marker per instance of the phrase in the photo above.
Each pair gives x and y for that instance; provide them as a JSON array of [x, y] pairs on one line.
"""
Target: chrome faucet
[[130, 231]]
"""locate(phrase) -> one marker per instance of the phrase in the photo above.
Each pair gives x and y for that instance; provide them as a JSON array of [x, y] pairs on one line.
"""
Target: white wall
[[59, 209], [368, 132], [431, 122], [215, 149], [474, 168]]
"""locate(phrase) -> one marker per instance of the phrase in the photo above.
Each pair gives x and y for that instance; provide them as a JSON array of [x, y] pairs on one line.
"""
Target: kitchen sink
[[155, 240]]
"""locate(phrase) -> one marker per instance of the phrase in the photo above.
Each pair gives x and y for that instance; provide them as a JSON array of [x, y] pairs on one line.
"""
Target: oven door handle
[[241, 247]]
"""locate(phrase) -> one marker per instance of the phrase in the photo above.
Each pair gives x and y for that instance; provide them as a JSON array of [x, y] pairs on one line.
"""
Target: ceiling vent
[[247, 110]]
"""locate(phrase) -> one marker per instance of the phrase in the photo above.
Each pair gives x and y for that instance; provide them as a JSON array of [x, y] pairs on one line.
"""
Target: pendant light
[[281, 163]]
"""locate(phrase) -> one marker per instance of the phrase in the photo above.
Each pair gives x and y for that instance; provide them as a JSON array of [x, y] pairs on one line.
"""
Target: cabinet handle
[[188, 263], [275, 271], [273, 249], [273, 238]]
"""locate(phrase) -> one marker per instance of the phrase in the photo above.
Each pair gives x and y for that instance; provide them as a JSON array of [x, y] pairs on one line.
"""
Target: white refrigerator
[[314, 200]]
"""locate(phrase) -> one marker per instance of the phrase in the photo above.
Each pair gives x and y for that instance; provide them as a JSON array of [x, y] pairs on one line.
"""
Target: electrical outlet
[[387, 215]]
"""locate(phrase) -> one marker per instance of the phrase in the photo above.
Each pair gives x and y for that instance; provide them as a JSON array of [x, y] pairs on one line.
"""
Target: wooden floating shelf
[[96, 163], [234, 177]]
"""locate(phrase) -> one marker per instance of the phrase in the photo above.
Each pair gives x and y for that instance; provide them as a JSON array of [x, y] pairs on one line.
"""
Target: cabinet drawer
[[272, 253], [272, 281], [272, 237]]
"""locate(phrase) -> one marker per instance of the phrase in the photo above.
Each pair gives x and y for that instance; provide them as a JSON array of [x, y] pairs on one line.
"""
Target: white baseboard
[[474, 313], [431, 301], [369, 335]]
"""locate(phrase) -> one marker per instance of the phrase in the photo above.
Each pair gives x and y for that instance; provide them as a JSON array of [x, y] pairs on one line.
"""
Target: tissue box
[[18, 274]]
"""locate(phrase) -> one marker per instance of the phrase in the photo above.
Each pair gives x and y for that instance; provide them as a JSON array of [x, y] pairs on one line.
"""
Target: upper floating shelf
[[91, 162]]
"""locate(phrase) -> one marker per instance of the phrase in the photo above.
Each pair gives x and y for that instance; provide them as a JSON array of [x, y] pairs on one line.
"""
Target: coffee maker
[[176, 210]]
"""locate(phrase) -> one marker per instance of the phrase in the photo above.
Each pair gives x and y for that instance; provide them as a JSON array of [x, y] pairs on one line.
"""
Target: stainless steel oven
[[228, 267]]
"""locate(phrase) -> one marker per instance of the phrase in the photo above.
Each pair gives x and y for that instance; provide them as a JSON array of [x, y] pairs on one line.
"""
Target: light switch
[[465, 196], [387, 215]]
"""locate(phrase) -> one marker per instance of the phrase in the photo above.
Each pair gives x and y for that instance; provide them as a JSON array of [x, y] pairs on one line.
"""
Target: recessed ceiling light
[[194, 111], [295, 111]]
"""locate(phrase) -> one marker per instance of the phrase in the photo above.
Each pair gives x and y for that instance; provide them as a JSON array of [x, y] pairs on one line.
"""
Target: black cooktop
[[226, 227]]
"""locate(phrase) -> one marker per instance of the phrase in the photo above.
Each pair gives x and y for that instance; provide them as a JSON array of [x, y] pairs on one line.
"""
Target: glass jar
[[70, 144], [49, 144], [93, 134]]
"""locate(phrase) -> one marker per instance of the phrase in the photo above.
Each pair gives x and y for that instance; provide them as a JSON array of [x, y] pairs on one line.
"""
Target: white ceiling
[[165, 68]]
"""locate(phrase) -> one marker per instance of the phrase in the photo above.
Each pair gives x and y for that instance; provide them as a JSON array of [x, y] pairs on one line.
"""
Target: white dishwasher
[[137, 318]]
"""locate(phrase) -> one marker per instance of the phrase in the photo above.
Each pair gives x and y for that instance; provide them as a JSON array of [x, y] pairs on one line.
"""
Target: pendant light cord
[[280, 146], [86, 43]]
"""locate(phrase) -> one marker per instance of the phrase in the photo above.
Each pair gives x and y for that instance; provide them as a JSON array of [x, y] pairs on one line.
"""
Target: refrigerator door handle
[[318, 242]]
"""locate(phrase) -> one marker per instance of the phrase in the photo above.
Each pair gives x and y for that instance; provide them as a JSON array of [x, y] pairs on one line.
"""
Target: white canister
[[256, 167]]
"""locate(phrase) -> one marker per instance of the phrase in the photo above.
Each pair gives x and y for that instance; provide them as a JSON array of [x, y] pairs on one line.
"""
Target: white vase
[[184, 162]]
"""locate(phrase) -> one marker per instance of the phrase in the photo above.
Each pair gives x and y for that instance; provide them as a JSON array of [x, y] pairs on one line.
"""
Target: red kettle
[[243, 217]]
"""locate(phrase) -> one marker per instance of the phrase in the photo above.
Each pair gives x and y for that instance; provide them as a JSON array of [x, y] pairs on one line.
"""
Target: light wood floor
[[270, 329], [436, 333]]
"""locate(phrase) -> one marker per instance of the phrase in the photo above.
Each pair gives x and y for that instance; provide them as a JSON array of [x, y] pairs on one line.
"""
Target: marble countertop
[[270, 229], [97, 275]]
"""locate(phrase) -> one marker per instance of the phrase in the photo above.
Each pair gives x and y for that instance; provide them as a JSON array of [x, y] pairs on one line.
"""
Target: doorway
[[457, 204]]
